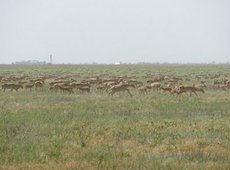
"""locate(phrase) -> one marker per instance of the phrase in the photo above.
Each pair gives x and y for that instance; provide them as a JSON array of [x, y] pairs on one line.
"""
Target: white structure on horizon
[[117, 63]]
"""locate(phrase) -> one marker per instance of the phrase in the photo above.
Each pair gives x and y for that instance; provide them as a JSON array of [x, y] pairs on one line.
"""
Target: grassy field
[[47, 130]]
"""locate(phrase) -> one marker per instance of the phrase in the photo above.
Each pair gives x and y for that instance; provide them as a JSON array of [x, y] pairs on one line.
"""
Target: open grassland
[[43, 129]]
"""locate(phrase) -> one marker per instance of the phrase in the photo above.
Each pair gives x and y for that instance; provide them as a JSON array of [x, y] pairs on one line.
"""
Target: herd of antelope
[[176, 85]]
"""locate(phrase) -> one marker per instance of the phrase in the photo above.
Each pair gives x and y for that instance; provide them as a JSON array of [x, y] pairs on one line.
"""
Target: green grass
[[44, 130]]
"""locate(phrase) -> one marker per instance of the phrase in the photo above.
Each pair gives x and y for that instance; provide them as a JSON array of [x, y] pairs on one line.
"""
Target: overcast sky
[[106, 31]]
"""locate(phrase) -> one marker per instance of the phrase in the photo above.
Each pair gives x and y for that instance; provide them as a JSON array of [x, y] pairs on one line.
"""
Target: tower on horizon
[[51, 58]]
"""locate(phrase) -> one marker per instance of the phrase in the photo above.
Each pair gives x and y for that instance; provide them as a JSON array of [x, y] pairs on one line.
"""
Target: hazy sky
[[106, 31]]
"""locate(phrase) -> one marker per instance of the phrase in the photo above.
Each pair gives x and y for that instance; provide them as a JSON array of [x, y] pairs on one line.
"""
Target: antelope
[[29, 86], [66, 88], [190, 89], [38, 84], [169, 89], [84, 89], [143, 89], [120, 87], [12, 87], [155, 85]]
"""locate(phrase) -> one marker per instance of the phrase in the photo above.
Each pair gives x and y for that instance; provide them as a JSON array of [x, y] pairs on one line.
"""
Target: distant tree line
[[30, 62]]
